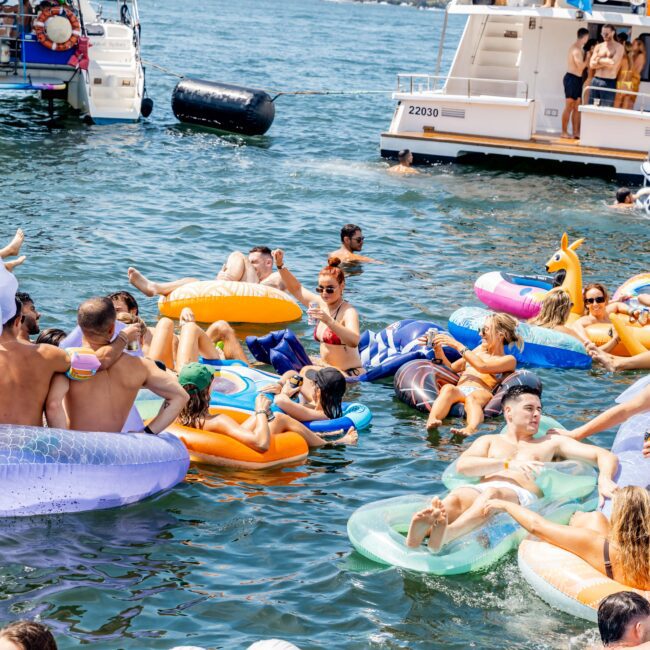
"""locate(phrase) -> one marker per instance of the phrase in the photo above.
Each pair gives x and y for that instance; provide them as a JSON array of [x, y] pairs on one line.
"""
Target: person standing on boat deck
[[103, 403], [404, 162], [605, 62], [351, 244], [572, 81]]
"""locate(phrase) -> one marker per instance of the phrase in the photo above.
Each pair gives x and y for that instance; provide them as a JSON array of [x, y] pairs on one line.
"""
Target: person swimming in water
[[404, 162]]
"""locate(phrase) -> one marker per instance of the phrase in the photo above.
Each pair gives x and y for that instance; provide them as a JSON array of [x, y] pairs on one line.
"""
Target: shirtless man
[[605, 62], [507, 465], [103, 403], [626, 199], [351, 243], [572, 81], [404, 162], [30, 326], [256, 268]]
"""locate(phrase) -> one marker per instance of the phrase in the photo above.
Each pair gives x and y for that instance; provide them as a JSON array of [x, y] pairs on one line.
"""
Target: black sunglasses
[[328, 289], [599, 300], [358, 238]]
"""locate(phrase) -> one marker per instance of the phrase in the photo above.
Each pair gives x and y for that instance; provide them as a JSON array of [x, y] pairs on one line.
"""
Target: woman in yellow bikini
[[481, 370]]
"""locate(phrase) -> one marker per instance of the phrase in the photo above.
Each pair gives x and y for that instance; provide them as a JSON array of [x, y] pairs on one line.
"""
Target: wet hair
[[506, 325], [403, 154], [51, 336], [630, 532], [589, 287], [515, 392], [128, 299], [265, 250], [617, 612], [622, 193], [348, 230], [555, 310], [24, 297], [96, 315], [583, 31], [331, 402], [29, 635], [197, 408], [19, 306], [333, 270]]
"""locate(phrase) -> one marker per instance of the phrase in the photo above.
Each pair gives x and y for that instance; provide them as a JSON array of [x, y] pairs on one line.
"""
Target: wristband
[[279, 267], [261, 413], [148, 430], [464, 351]]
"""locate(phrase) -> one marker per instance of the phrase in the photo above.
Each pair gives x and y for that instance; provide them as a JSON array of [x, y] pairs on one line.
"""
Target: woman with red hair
[[337, 321]]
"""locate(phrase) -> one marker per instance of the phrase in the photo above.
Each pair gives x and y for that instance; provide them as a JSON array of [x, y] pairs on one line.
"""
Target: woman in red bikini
[[337, 321]]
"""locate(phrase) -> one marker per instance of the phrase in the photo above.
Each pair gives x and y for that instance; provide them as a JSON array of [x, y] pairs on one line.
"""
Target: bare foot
[[187, 316], [13, 247], [437, 535], [421, 523], [463, 431], [564, 135], [350, 438], [10, 266], [140, 282], [433, 423], [604, 358]]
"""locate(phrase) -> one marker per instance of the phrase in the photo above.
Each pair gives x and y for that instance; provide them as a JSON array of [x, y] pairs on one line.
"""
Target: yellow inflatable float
[[235, 302], [565, 581], [218, 449]]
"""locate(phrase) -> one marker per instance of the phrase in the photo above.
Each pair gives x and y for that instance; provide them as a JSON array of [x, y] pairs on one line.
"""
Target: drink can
[[431, 333], [296, 380], [311, 320], [133, 346]]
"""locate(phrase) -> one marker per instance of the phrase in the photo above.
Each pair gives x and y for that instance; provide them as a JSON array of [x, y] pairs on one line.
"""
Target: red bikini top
[[329, 336]]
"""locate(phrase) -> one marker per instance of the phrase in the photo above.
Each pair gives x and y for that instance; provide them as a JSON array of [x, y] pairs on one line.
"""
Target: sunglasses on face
[[358, 238], [590, 301], [327, 289]]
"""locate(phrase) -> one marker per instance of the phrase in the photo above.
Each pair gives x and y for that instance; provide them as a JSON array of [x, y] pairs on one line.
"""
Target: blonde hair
[[630, 532], [555, 310], [506, 325]]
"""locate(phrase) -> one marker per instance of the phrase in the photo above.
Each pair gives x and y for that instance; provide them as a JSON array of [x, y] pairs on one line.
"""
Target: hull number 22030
[[425, 111]]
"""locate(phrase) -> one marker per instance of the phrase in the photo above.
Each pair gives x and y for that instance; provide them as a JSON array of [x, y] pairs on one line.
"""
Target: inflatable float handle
[[83, 363]]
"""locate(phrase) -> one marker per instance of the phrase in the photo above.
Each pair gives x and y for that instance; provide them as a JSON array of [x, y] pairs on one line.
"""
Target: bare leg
[[474, 404], [161, 347], [150, 288], [222, 331], [192, 342], [253, 432], [575, 119], [568, 109], [13, 247], [614, 363], [283, 422], [448, 396], [238, 269], [10, 266]]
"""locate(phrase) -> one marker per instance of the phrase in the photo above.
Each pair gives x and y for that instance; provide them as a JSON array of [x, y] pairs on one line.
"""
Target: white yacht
[[504, 96], [74, 51]]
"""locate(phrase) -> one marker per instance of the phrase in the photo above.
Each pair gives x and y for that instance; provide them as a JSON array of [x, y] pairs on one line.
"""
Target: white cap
[[273, 644], [8, 288]]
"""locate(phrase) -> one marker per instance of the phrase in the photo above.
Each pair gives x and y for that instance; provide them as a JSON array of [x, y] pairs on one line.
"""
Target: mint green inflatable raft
[[378, 530]]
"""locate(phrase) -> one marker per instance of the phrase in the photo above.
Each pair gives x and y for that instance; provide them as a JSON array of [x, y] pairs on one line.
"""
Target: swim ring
[[377, 530], [543, 347], [417, 383], [45, 471], [235, 302], [217, 449], [519, 295], [633, 287]]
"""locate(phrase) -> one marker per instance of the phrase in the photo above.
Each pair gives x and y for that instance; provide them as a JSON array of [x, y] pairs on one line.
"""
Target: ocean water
[[231, 557]]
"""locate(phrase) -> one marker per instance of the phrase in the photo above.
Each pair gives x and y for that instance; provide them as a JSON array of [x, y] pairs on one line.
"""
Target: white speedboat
[[72, 51], [503, 95]]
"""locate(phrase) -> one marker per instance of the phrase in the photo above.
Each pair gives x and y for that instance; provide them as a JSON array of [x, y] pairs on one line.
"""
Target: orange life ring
[[45, 15]]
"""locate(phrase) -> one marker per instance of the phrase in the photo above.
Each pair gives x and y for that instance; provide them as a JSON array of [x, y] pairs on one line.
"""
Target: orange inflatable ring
[[41, 34], [218, 449], [566, 581]]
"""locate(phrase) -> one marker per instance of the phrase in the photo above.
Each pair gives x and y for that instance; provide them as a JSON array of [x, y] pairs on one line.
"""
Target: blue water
[[231, 557]]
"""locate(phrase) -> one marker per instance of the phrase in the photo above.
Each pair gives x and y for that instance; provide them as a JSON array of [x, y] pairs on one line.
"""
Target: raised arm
[[492, 365], [291, 282], [164, 385], [108, 354]]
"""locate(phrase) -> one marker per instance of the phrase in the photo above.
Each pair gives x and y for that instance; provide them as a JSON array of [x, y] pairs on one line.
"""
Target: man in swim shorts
[[351, 244], [30, 326], [507, 465], [103, 403], [572, 81], [256, 268], [605, 61]]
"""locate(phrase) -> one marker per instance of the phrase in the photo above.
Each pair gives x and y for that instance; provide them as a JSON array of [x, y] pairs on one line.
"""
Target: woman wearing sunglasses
[[597, 310], [481, 371], [337, 321]]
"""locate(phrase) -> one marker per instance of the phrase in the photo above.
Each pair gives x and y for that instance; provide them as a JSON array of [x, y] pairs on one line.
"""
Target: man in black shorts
[[573, 84]]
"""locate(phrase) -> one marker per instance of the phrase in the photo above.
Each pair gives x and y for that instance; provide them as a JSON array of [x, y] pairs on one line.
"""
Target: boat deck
[[539, 142]]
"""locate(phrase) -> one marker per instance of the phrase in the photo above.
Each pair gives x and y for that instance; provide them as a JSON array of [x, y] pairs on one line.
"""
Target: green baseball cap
[[197, 374]]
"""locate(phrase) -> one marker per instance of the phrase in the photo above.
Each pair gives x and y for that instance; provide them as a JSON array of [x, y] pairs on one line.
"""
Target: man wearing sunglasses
[[351, 244]]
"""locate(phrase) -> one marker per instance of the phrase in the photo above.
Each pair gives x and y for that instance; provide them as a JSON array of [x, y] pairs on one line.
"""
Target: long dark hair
[[331, 403], [197, 408]]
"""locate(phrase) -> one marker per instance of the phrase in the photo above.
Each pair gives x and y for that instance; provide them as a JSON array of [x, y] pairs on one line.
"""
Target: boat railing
[[466, 86], [641, 101]]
